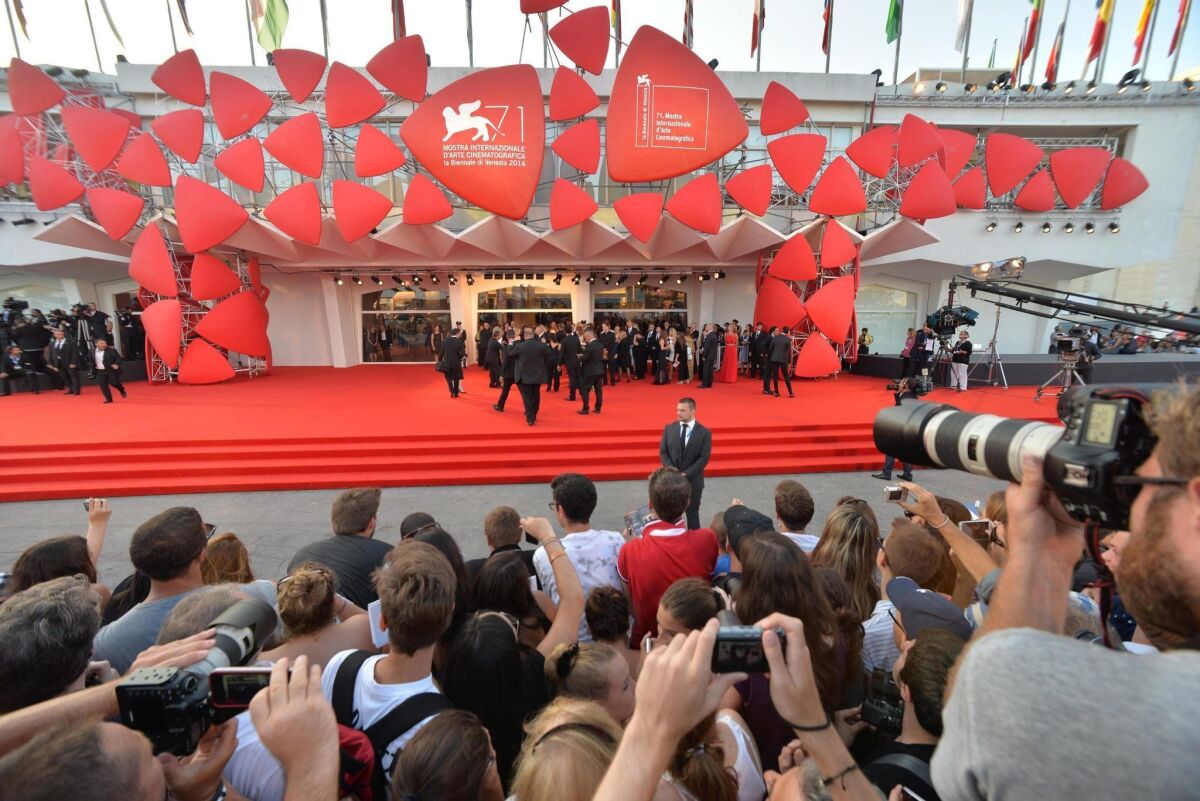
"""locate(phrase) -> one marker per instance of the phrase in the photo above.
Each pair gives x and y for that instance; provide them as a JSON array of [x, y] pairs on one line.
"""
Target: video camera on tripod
[[948, 319]]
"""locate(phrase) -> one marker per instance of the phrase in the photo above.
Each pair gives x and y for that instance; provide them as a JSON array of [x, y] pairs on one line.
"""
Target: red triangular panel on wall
[[837, 246], [143, 163], [579, 146], [349, 97], [970, 190], [697, 204], [570, 95], [52, 187], [402, 68], [182, 131], [569, 205], [918, 140], [299, 70], [375, 153], [203, 364], [31, 91], [875, 151], [237, 105], [1077, 171], [751, 188], [297, 212], [640, 213], [817, 358], [781, 110], [163, 321], [929, 194], [777, 304], [206, 216], [1122, 184], [838, 192], [98, 135], [242, 163], [797, 158], [960, 146], [583, 37], [116, 210], [212, 278], [150, 263], [424, 202], [831, 307], [181, 77], [1009, 160], [1037, 194], [358, 209], [794, 261], [238, 323], [298, 144]]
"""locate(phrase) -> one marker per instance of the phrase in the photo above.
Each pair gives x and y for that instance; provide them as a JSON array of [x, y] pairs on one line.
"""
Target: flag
[[112, 26], [760, 19], [992, 57], [1035, 29], [1184, 7], [399, 26], [895, 12], [1015, 76], [827, 36], [1104, 13], [270, 20], [1056, 50], [19, 10], [616, 17], [183, 15], [964, 24], [688, 33], [1139, 38]]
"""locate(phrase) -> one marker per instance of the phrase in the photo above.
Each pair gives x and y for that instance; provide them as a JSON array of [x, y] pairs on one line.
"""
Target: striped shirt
[[879, 645]]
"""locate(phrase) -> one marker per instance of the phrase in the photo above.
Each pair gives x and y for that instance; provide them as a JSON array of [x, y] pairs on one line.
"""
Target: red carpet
[[308, 428]]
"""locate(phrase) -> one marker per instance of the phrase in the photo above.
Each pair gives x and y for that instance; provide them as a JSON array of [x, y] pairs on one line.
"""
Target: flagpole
[[1015, 80], [967, 42], [762, 13], [324, 30], [470, 37], [92, 28], [830, 52], [899, 36], [992, 58], [545, 40], [1100, 63], [1149, 41], [1037, 37], [250, 33], [1178, 44], [171, 22]]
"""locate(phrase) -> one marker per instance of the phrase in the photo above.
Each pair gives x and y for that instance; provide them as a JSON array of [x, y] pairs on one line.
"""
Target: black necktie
[[683, 435]]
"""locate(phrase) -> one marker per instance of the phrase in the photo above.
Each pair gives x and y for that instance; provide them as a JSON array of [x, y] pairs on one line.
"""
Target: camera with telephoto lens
[[15, 305], [883, 707], [1103, 439], [171, 705], [917, 384], [948, 319]]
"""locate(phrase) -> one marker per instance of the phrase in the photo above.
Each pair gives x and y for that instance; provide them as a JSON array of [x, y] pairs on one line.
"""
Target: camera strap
[[907, 762]]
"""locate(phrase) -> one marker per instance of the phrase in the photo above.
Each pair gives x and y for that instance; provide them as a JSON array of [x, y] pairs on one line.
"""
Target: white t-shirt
[[256, 774], [593, 553], [805, 542]]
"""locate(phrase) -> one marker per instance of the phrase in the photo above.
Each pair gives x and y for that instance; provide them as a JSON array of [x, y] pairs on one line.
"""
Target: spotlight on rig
[[416, 279], [970, 88], [991, 226], [1092, 87], [662, 279], [702, 277], [718, 275], [1090, 228], [680, 279], [607, 278], [558, 279], [575, 279], [470, 280], [376, 280], [1049, 86], [433, 279], [591, 279], [338, 280], [641, 281], [452, 279], [1069, 88], [1114, 227], [1069, 228], [1046, 227], [1188, 85], [358, 280], [1019, 227], [1127, 80], [940, 86]]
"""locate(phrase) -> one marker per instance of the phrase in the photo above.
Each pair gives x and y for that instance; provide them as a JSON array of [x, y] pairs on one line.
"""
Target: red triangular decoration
[[349, 97], [402, 68], [781, 110], [238, 323], [375, 153], [794, 261], [143, 163], [163, 322], [837, 247], [838, 192], [150, 263], [960, 146], [237, 105], [777, 304], [579, 146], [297, 212], [583, 37], [1037, 194], [970, 191], [297, 143], [242, 163], [206, 216], [569, 205], [98, 135], [299, 70], [831, 307], [51, 186], [640, 213], [570, 95], [182, 131], [424, 202], [817, 358], [751, 189], [181, 77], [358, 209], [1077, 171], [12, 151], [1122, 184], [31, 91], [875, 151], [797, 158], [918, 141], [1009, 160], [929, 194], [203, 364], [212, 278], [116, 210], [697, 204]]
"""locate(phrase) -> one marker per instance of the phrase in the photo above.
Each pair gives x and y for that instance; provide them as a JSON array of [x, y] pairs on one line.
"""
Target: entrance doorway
[[520, 306]]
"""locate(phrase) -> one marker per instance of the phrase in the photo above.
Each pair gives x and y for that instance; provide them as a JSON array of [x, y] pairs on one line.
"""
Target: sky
[[59, 33]]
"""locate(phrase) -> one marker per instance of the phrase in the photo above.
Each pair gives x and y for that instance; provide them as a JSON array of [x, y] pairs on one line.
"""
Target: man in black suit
[[532, 355], [608, 338], [571, 346], [591, 369], [686, 445], [922, 350], [756, 341], [108, 370], [33, 337], [15, 366], [777, 362], [508, 374], [452, 355], [708, 356], [493, 358], [653, 339], [64, 361]]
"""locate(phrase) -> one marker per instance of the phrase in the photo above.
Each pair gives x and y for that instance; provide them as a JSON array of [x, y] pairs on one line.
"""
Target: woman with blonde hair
[[309, 610], [848, 546], [568, 747], [593, 672]]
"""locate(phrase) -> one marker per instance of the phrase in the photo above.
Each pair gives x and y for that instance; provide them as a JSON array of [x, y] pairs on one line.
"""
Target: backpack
[[392, 725]]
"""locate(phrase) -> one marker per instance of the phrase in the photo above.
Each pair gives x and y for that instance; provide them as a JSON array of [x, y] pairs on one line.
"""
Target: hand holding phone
[[894, 494]]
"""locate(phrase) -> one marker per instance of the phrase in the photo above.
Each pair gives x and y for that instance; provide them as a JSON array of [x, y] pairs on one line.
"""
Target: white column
[[332, 293]]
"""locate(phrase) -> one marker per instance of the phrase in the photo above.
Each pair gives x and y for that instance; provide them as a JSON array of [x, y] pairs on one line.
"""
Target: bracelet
[[558, 555], [840, 775], [550, 540], [828, 722], [222, 791], [945, 520]]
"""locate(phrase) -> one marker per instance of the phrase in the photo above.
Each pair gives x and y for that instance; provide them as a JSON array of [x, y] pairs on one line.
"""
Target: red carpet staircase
[[411, 459]]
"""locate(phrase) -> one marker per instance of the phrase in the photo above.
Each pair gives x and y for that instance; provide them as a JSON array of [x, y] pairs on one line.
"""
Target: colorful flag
[[615, 18], [1015, 76], [688, 33], [1035, 29], [964, 24], [1104, 13], [760, 19], [827, 36], [1056, 50], [1185, 6], [399, 26], [270, 20], [895, 12], [1139, 37]]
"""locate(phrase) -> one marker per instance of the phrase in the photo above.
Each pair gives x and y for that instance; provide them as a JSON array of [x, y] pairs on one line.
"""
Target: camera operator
[[1016, 693], [923, 349], [14, 366], [133, 336], [1088, 352], [903, 390]]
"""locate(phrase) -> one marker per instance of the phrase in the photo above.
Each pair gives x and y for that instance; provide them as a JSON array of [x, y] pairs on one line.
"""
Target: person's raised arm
[[565, 628], [676, 690], [98, 514], [1043, 544], [974, 557], [297, 725]]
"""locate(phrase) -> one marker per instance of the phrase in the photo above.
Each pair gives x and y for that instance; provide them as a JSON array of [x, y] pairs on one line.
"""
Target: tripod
[[994, 365], [940, 367], [1068, 373]]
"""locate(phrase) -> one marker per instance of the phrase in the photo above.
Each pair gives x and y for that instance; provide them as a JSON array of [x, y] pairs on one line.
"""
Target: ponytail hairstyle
[[692, 602], [305, 599], [699, 763], [580, 671]]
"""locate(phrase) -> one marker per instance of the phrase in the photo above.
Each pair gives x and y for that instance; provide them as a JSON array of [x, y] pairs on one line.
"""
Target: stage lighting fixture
[[680, 279], [1114, 228], [1069, 88], [452, 279], [376, 280], [338, 280], [24, 221], [1019, 227], [940, 86], [433, 279], [1049, 86], [919, 88], [591, 279], [622, 278], [878, 73], [1027, 88], [470, 280], [662, 279], [575, 279], [702, 277], [982, 270], [1145, 86], [1127, 80], [970, 88], [1188, 85], [1046, 227], [416, 279], [558, 279], [641, 281], [607, 278], [1069, 228], [1003, 78], [718, 275], [1092, 87], [991, 226], [713, 64], [1090, 228], [357, 280]]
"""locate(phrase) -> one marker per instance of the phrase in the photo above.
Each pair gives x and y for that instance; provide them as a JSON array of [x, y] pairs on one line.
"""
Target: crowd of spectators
[[907, 659]]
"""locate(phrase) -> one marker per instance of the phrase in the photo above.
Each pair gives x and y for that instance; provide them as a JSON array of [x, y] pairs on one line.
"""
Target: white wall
[[298, 328], [733, 297]]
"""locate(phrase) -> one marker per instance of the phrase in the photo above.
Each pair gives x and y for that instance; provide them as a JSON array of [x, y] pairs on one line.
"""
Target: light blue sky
[[792, 38]]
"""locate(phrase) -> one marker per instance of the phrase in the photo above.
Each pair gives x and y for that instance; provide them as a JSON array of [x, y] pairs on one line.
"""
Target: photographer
[[903, 391], [1088, 352], [1016, 690], [14, 366], [922, 350]]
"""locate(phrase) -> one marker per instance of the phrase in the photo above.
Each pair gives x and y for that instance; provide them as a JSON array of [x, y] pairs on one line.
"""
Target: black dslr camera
[[171, 705], [918, 385], [1105, 437], [883, 707]]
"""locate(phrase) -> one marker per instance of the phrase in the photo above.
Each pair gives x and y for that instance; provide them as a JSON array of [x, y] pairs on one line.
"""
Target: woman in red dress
[[729, 357]]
